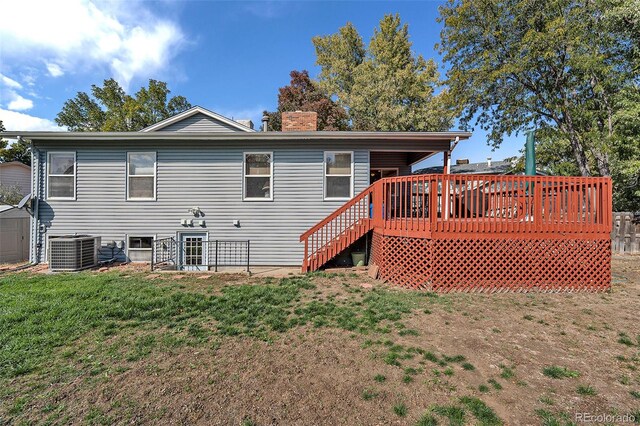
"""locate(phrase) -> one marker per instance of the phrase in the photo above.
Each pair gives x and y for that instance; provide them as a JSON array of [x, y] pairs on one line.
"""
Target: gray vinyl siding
[[205, 175], [391, 160], [16, 175], [199, 123]]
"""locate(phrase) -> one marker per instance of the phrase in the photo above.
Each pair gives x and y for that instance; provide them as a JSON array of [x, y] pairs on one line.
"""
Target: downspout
[[35, 218]]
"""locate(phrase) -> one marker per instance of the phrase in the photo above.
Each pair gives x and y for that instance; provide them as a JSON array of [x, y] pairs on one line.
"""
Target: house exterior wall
[[199, 123], [16, 174], [203, 174]]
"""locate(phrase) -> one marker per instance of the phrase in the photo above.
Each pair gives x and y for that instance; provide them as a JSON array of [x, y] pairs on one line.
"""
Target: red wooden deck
[[472, 232]]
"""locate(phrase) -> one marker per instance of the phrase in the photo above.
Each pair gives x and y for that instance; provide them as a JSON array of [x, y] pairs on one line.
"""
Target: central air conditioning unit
[[73, 252]]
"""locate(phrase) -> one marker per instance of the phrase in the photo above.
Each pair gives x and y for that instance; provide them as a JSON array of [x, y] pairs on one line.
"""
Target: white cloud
[[18, 103], [54, 69], [8, 82], [10, 98], [84, 34], [24, 122]]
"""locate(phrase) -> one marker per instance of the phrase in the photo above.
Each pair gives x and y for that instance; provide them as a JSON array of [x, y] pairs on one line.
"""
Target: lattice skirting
[[493, 265]]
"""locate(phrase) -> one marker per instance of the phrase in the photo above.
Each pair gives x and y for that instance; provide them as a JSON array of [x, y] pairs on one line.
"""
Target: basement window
[[141, 176], [338, 175], [61, 176], [258, 176], [139, 248]]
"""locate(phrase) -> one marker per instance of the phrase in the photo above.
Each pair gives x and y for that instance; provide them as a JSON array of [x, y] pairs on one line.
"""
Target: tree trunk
[[579, 153], [602, 159]]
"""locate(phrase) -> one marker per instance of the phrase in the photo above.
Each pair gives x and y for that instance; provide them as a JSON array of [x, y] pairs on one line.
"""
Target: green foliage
[[507, 372], [17, 151], [427, 420], [586, 390], [454, 414], [384, 87], [624, 339], [369, 394], [483, 413], [400, 409], [302, 94], [380, 378], [110, 109], [556, 372], [455, 358], [563, 66], [495, 384], [550, 419]]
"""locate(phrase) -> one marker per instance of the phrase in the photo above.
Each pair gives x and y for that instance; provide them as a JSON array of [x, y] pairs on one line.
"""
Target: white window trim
[[136, 235], [75, 173], [244, 177], [155, 176], [324, 179]]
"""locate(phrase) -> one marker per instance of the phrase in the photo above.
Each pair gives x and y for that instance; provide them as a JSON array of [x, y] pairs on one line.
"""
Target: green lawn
[[39, 313]]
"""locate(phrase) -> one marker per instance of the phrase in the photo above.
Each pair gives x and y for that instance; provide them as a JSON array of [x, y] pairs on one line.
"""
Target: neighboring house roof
[[193, 111], [483, 168], [502, 167], [15, 163]]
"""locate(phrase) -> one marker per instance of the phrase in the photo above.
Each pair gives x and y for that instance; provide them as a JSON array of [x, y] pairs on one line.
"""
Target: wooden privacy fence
[[466, 232], [625, 235]]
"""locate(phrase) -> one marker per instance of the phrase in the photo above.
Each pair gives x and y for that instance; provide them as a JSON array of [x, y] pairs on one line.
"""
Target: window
[[143, 243], [338, 175], [141, 176], [61, 175], [139, 249], [258, 176]]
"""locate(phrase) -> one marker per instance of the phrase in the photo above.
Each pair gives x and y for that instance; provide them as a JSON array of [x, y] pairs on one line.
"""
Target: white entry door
[[193, 251]]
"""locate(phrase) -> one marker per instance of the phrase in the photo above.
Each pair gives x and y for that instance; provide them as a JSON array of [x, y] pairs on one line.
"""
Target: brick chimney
[[299, 121]]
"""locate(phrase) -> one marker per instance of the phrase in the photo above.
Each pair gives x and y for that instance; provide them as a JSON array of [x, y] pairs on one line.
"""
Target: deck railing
[[425, 206], [338, 230]]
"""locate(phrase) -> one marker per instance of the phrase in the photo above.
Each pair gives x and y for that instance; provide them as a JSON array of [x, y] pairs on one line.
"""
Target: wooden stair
[[339, 230]]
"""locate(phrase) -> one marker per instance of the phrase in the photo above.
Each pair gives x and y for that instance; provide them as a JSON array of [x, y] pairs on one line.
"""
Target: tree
[[110, 109], [559, 65], [303, 94], [10, 194], [18, 151], [384, 87]]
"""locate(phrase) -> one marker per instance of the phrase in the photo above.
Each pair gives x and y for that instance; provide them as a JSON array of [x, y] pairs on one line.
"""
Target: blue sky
[[230, 57]]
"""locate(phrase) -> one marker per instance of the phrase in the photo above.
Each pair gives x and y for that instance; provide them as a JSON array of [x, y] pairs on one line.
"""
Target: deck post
[[445, 185], [446, 164], [305, 267]]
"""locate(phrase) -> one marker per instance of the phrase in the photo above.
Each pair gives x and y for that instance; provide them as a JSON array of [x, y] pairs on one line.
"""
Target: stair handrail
[[365, 192]]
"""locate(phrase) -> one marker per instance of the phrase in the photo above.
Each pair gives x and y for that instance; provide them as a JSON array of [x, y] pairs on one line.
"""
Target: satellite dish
[[24, 201]]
